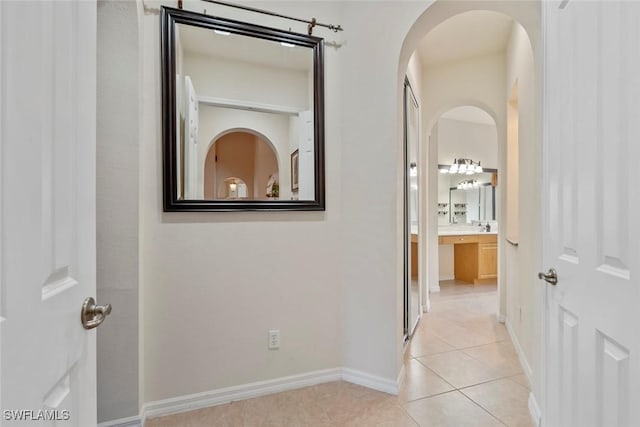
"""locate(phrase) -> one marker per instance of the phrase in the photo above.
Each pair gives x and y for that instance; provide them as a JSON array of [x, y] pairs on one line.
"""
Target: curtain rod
[[312, 23]]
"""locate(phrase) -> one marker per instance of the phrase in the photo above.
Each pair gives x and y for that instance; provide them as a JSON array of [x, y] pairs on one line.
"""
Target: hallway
[[461, 370]]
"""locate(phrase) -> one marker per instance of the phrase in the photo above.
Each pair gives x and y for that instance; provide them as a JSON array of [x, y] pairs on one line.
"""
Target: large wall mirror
[[243, 116], [472, 197]]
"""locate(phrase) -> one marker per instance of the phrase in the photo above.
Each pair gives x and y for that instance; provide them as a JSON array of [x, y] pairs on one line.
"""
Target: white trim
[[534, 410], [516, 344], [370, 381], [123, 422], [449, 277], [246, 391], [248, 105], [435, 288], [502, 318], [401, 377]]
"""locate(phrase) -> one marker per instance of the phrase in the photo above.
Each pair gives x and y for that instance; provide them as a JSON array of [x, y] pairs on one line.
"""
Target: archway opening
[[241, 165], [473, 54], [466, 141]]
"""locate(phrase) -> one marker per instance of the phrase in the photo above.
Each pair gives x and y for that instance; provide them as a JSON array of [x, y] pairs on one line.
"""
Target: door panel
[[47, 117], [592, 84]]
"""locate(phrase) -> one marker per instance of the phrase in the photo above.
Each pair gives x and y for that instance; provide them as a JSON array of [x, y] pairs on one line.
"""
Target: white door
[[591, 227], [306, 162], [191, 141], [47, 209]]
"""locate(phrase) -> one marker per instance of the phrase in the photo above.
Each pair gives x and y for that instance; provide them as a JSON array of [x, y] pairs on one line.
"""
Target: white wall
[[248, 82], [523, 291], [371, 182], [468, 140], [206, 315], [117, 226]]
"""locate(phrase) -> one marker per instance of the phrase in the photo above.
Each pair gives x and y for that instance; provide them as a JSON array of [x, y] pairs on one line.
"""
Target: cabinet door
[[487, 260]]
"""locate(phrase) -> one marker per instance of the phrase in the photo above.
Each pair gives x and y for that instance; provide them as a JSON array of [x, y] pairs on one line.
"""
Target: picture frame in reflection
[[294, 170]]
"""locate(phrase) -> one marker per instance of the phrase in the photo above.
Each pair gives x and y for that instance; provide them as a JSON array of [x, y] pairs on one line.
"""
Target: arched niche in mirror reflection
[[241, 155]]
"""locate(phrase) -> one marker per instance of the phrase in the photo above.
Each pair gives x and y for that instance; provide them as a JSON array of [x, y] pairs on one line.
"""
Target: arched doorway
[[465, 139], [494, 50], [241, 164]]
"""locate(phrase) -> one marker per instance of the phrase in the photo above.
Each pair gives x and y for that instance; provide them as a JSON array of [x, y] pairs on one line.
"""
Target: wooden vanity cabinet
[[487, 260], [475, 256]]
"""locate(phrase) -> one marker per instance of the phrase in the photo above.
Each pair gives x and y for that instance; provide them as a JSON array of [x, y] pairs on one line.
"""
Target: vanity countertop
[[465, 232]]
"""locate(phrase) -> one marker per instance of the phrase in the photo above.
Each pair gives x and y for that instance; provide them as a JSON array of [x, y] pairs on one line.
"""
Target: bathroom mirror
[[472, 198], [243, 115]]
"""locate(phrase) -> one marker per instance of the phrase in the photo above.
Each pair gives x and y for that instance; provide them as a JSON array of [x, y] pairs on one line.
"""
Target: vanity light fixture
[[222, 33], [463, 167], [470, 183]]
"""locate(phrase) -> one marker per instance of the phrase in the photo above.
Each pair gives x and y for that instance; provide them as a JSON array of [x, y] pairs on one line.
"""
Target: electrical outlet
[[274, 339]]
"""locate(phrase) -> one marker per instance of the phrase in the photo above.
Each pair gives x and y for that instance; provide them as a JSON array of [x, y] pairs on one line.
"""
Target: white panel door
[[191, 141], [47, 209], [306, 161], [591, 227]]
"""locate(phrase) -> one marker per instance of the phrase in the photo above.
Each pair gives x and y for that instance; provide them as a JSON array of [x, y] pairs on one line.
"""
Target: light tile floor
[[460, 370]]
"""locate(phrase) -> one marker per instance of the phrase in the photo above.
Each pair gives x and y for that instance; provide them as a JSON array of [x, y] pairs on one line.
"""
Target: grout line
[[484, 409]]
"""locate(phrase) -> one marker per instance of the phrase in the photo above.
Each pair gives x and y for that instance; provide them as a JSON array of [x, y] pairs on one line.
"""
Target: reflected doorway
[[241, 165]]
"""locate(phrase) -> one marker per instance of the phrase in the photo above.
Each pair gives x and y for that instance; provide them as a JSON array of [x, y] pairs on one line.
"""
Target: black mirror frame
[[169, 18]]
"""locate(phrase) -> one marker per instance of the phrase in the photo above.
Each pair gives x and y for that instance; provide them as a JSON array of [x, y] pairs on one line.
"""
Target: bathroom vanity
[[475, 254]]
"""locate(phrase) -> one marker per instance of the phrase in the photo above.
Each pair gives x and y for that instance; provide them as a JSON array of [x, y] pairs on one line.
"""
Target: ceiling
[[243, 48], [464, 36], [469, 114]]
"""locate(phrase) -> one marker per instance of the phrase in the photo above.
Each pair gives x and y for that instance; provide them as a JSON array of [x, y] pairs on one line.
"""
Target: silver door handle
[[93, 315], [550, 276]]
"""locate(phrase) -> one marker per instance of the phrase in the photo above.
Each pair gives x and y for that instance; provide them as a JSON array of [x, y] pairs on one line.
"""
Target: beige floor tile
[[505, 399], [522, 380], [385, 415], [460, 337], [500, 357], [451, 409], [420, 381], [351, 402], [458, 368], [423, 344], [223, 415]]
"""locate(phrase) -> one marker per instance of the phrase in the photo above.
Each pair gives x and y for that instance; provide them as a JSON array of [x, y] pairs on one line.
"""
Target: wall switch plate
[[274, 339]]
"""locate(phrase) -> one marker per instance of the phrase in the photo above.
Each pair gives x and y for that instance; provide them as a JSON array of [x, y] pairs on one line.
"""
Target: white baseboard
[[401, 376], [449, 277], [502, 318], [434, 288], [123, 422], [534, 410], [225, 395], [370, 381], [516, 344], [246, 391]]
